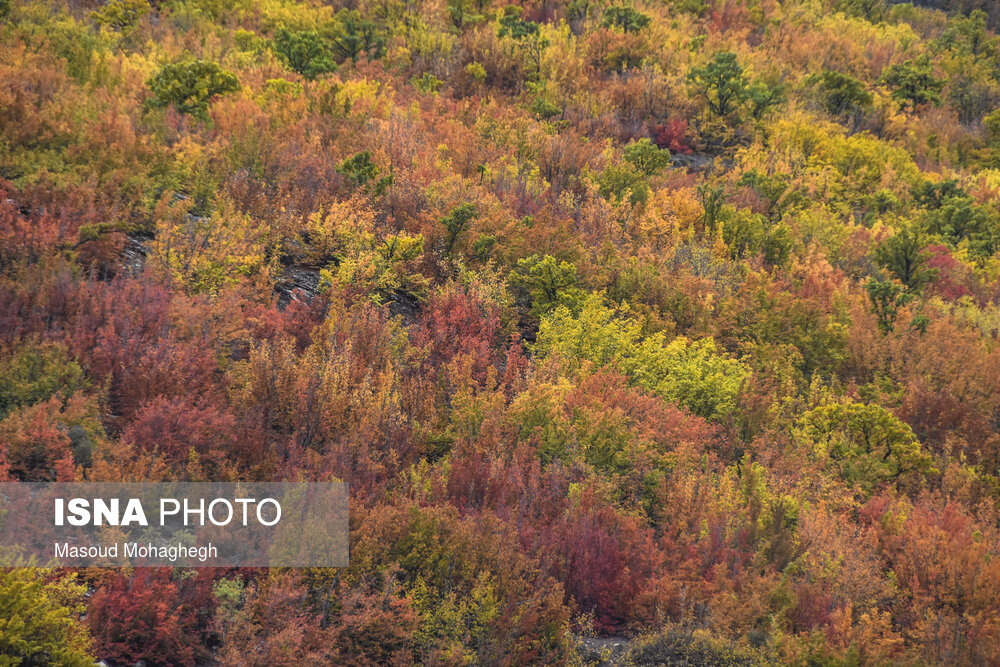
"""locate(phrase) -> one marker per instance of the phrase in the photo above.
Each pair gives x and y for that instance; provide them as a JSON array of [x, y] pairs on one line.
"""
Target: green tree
[[873, 11], [464, 12], [34, 373], [545, 108], [427, 83], [842, 93], [914, 82], [969, 34], [957, 219], [764, 96], [722, 83], [618, 180], [510, 24], [903, 255], [304, 52], [747, 233], [190, 86], [960, 218], [777, 246], [527, 34], [39, 619], [625, 18], [549, 282], [691, 373], [359, 168], [886, 298], [864, 442], [646, 156], [363, 171], [456, 222], [354, 35], [933, 195], [121, 15]]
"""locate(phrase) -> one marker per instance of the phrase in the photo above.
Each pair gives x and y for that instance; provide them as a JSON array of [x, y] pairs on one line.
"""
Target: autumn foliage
[[670, 324]]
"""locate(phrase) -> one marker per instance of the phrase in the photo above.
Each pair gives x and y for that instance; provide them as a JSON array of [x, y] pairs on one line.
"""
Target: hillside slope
[[675, 321]]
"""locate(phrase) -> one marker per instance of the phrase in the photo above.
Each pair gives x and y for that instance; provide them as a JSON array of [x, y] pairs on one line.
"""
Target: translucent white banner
[[183, 524]]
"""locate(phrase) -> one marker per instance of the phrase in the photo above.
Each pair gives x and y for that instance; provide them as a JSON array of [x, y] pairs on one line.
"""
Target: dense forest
[[641, 332]]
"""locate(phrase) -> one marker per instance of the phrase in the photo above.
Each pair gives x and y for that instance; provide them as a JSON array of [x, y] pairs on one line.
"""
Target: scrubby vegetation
[[671, 321]]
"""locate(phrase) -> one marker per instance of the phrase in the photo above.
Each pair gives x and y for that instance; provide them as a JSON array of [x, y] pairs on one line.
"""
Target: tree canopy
[[641, 332]]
